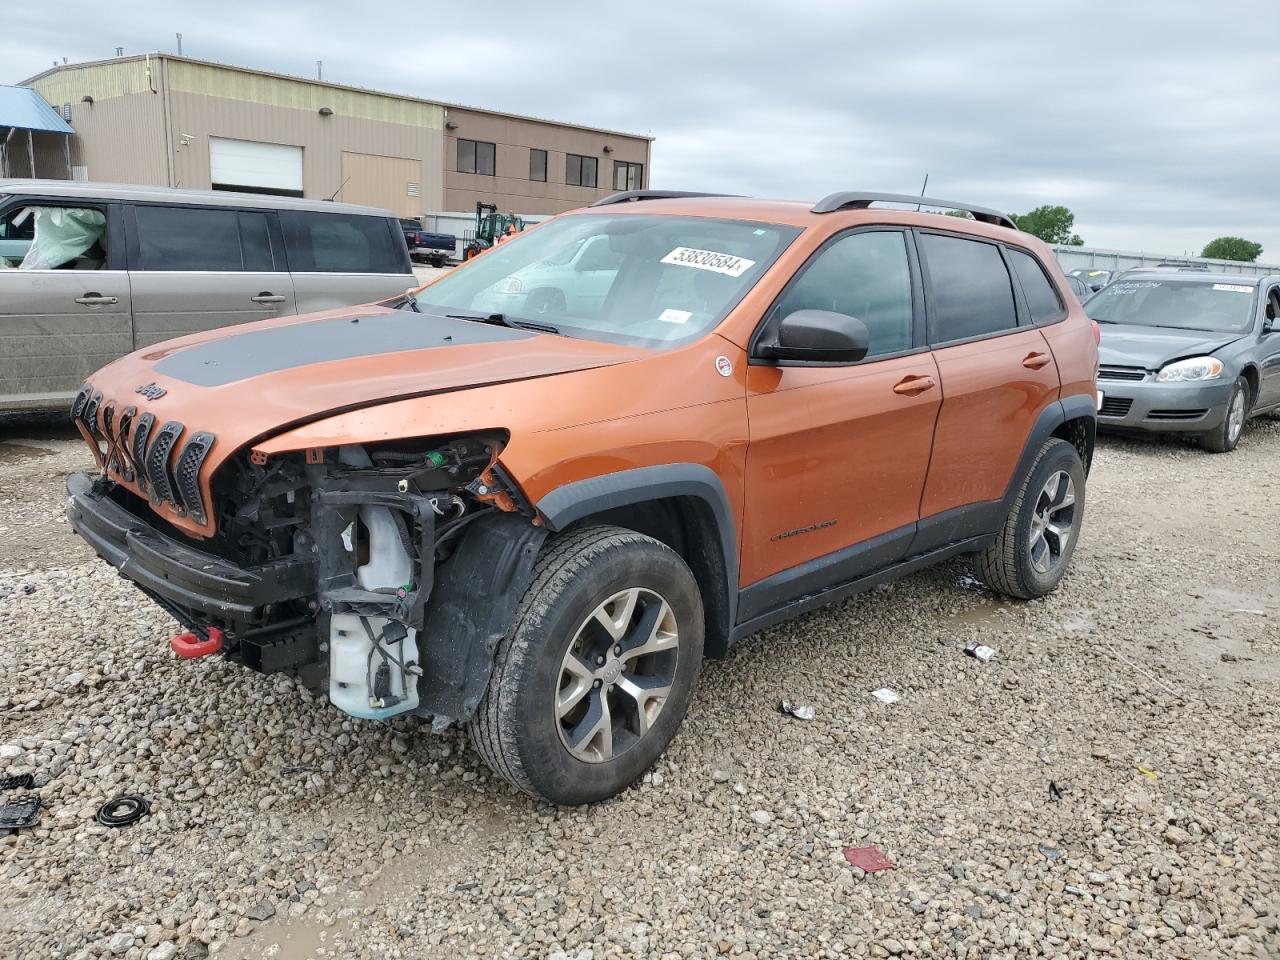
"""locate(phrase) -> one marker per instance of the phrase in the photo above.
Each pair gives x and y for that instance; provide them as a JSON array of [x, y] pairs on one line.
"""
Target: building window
[[476, 156], [628, 176], [580, 171], [538, 165]]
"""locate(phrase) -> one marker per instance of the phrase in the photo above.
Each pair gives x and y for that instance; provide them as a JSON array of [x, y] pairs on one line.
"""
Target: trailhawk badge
[[724, 367]]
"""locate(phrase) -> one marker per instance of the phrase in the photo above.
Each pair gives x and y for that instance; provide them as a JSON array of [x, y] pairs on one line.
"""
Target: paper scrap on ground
[[885, 695], [801, 711], [980, 651], [869, 859]]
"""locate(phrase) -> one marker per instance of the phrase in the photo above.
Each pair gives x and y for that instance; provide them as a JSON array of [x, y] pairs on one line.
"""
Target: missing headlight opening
[[382, 575]]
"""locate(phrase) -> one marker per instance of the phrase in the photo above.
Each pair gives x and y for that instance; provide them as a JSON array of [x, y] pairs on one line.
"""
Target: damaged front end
[[383, 575]]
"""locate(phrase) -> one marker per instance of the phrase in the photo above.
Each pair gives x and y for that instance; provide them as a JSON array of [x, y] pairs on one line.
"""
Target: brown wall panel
[[323, 139]]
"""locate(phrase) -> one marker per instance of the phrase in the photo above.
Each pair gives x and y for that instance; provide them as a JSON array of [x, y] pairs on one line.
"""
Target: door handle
[[96, 299], [267, 297], [1034, 361], [913, 385]]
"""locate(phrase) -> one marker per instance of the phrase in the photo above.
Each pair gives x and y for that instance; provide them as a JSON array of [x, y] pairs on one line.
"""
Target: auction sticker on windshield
[[725, 263], [1233, 287]]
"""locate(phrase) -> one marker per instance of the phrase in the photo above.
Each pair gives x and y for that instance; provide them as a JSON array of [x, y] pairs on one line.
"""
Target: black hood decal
[[253, 353]]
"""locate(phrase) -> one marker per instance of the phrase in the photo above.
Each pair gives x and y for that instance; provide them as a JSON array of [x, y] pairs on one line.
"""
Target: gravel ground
[[281, 829]]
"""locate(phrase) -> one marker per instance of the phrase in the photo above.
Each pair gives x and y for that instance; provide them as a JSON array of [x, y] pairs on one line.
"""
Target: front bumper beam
[[175, 572]]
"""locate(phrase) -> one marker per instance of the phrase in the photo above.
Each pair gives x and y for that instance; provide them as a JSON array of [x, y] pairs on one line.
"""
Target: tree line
[[1053, 224]]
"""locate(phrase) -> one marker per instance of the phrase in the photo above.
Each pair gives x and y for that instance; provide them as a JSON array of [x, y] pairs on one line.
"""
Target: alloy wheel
[[617, 674], [1052, 521], [1235, 416]]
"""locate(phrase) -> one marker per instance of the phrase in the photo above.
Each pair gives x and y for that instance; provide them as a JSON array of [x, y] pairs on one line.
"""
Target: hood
[[244, 383], [1128, 345]]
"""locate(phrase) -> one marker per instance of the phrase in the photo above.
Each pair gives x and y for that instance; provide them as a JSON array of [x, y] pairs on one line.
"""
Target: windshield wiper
[[502, 320]]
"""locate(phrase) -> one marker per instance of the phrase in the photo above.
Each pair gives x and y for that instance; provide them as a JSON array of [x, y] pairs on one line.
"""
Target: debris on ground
[[885, 695], [980, 651], [19, 781], [801, 711], [122, 811], [870, 859], [20, 812], [1055, 792], [1149, 774]]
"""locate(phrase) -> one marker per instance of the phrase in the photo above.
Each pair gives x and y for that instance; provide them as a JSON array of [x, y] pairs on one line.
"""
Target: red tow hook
[[189, 646]]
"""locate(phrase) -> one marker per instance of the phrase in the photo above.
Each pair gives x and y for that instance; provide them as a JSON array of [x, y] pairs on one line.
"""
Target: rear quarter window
[[970, 291], [343, 243], [1042, 299]]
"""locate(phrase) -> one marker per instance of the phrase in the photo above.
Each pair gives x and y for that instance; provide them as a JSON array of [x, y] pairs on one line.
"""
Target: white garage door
[[239, 164]]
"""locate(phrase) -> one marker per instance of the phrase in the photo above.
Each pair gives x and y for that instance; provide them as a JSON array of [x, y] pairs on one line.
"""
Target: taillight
[[1097, 332]]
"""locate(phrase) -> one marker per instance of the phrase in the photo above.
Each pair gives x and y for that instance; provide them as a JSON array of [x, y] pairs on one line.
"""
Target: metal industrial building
[[166, 120]]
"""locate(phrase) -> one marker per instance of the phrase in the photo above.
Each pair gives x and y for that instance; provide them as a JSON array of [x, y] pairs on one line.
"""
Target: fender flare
[[624, 488], [1074, 407]]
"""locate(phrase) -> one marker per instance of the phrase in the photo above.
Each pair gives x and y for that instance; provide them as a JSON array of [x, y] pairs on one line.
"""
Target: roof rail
[[857, 200], [627, 196]]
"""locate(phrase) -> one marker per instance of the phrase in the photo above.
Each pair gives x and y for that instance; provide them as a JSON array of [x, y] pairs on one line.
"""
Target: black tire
[[1009, 565], [1225, 437], [517, 728]]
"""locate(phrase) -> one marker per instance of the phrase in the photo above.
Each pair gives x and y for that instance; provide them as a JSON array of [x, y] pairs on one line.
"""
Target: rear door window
[[970, 292], [343, 243], [1042, 299], [202, 240]]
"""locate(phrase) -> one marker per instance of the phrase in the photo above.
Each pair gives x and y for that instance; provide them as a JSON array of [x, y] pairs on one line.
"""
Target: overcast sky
[[1160, 130]]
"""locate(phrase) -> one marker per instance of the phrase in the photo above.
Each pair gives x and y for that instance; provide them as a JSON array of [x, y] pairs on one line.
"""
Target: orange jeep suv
[[529, 497]]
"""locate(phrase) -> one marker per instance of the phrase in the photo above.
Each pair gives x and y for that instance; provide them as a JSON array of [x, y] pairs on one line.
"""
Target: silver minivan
[[91, 271]]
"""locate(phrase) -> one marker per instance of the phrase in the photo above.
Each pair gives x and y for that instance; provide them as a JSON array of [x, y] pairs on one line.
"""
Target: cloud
[[1159, 127]]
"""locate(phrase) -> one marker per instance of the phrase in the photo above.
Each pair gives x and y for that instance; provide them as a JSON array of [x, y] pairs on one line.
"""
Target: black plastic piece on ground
[[19, 781], [123, 811], [20, 812]]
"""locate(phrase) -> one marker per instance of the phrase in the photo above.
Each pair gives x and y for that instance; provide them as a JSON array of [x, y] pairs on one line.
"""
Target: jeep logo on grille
[[151, 391]]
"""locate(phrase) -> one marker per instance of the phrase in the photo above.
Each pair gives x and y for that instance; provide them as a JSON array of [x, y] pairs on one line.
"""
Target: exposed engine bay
[[382, 575]]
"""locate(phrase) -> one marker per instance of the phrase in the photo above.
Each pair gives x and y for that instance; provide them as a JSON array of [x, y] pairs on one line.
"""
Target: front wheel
[[1225, 437], [1031, 552], [598, 670]]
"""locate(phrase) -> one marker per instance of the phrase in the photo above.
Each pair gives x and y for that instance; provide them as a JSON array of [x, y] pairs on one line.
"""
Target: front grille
[[1121, 373], [123, 448], [108, 415], [81, 401], [1115, 406], [157, 464], [187, 475], [1176, 414], [91, 414], [141, 433]]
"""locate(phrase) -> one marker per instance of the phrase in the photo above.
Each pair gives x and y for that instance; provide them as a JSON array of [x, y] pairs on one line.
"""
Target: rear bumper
[[1163, 407], [187, 578]]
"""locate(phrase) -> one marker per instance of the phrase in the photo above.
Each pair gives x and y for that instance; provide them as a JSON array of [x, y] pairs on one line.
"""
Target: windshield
[[1179, 304], [649, 281]]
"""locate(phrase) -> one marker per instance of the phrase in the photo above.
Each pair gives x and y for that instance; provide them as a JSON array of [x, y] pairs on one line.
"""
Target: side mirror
[[818, 335], [1271, 326]]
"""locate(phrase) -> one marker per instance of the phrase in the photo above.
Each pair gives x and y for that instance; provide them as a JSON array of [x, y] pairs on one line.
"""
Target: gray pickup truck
[[91, 271]]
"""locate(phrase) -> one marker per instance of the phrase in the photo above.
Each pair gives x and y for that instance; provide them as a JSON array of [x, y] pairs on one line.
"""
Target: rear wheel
[[595, 677], [1031, 553], [1225, 437]]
